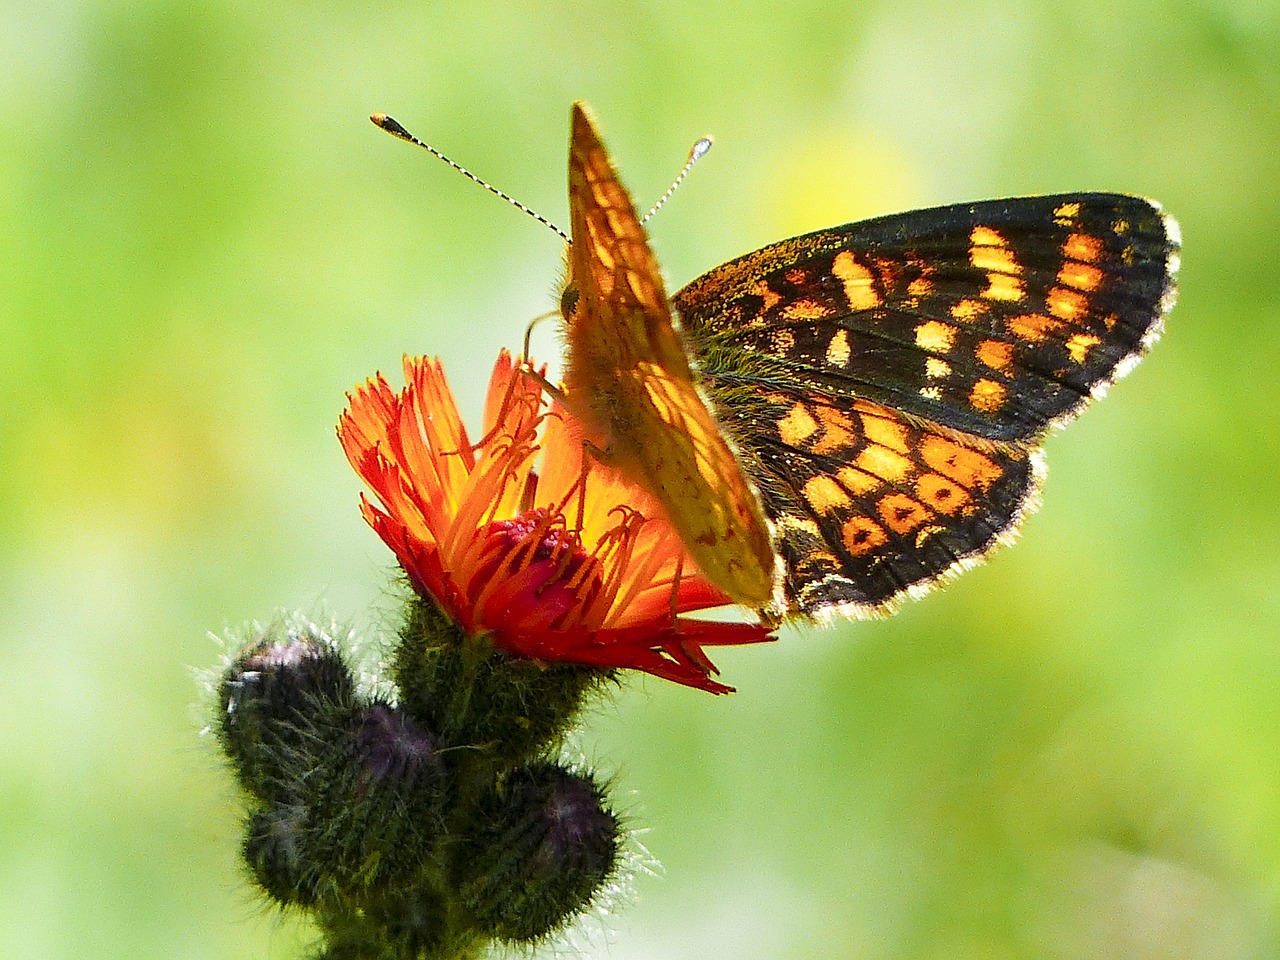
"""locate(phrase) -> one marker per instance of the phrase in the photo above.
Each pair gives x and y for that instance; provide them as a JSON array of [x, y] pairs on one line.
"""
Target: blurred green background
[[1073, 752]]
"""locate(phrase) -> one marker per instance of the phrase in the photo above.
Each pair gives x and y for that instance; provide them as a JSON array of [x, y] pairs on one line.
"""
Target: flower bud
[[275, 845], [279, 698], [395, 754], [375, 801], [545, 845]]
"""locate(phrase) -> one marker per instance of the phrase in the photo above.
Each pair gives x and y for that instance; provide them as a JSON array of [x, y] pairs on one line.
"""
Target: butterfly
[[866, 403]]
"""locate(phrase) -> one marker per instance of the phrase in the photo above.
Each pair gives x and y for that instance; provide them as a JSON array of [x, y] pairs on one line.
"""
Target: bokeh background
[[1072, 753]]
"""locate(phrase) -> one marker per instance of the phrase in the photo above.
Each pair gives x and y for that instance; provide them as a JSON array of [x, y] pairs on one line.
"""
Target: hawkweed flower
[[435, 814], [522, 537]]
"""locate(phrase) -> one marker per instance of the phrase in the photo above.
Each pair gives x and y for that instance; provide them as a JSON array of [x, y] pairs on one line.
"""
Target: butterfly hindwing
[[869, 505]]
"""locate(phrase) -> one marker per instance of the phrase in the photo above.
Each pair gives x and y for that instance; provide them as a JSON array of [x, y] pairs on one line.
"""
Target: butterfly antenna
[[390, 125], [697, 153]]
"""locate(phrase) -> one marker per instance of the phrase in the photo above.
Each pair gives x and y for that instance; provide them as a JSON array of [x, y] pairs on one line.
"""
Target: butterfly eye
[[568, 301]]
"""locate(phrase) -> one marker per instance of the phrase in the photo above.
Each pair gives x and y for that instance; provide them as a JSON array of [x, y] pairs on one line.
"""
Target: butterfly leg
[[675, 585], [555, 392]]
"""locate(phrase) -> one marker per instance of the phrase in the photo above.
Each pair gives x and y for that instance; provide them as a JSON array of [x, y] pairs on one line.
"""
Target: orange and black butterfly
[[885, 385], [847, 418]]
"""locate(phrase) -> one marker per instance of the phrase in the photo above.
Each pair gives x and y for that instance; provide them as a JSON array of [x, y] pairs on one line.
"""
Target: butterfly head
[[568, 300]]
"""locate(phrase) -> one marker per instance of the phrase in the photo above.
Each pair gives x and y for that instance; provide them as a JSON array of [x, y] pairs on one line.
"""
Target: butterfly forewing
[[996, 318], [847, 362], [628, 376]]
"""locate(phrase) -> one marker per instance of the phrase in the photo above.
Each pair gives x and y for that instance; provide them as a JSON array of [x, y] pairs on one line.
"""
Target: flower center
[[534, 573]]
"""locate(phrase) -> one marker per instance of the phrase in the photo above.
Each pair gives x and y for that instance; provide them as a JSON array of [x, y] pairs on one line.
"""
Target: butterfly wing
[[889, 382], [628, 377]]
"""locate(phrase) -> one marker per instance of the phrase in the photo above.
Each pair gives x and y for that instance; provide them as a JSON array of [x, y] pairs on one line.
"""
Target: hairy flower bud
[[381, 799], [275, 850], [394, 753], [547, 843], [278, 698]]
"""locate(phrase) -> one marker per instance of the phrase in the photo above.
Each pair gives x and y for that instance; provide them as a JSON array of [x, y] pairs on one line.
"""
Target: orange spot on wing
[[985, 237], [1067, 304], [824, 494], [900, 513], [1082, 246], [797, 426], [1079, 345], [884, 430], [988, 396], [858, 482], [1001, 286], [1066, 212], [805, 310], [969, 309], [838, 349], [1033, 327], [999, 259], [861, 535], [1082, 276], [935, 336], [858, 281], [883, 463], [964, 465], [943, 495], [920, 287], [996, 354]]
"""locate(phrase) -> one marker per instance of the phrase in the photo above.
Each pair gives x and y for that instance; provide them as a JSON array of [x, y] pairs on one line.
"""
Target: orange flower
[[554, 563]]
